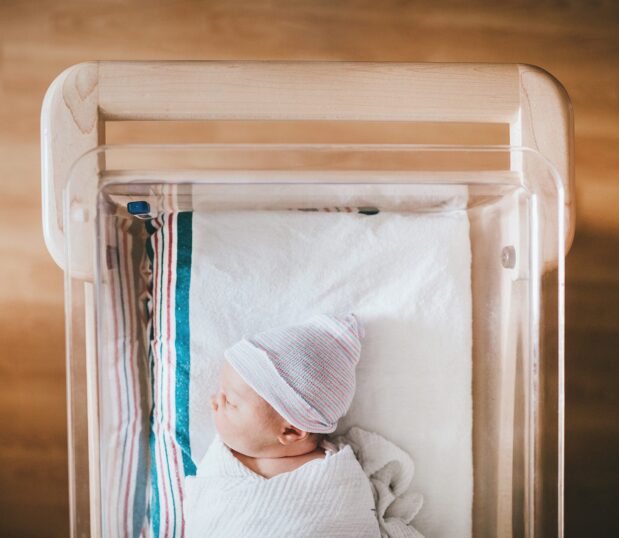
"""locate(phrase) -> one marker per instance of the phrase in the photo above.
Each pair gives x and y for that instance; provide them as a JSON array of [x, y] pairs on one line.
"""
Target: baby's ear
[[290, 434]]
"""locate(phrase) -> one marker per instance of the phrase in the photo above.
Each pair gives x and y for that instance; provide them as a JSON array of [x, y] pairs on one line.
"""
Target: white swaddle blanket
[[360, 490], [324, 497]]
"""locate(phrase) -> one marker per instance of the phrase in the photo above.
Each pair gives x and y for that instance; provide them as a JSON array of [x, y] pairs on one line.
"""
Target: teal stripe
[[154, 500], [183, 350]]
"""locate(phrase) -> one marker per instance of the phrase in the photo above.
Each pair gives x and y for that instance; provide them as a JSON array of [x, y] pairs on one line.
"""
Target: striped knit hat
[[307, 371]]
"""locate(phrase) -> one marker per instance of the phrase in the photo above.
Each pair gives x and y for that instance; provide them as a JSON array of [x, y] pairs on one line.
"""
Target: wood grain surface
[[576, 40]]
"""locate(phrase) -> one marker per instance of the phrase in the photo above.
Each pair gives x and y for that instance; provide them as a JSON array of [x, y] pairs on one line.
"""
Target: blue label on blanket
[[140, 207]]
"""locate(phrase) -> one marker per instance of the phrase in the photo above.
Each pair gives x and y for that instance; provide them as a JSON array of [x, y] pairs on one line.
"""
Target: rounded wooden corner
[[70, 107]]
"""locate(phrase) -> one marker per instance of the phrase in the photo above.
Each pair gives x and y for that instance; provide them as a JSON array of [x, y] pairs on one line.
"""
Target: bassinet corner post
[[70, 107]]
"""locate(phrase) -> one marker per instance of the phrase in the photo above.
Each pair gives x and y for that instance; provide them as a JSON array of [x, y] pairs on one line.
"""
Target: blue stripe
[[183, 350], [154, 508]]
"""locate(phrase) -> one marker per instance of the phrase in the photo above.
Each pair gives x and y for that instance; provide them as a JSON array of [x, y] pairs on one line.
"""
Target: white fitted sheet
[[408, 278]]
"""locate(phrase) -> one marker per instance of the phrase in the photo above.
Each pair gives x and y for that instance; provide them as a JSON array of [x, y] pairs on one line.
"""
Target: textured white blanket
[[325, 497], [390, 471]]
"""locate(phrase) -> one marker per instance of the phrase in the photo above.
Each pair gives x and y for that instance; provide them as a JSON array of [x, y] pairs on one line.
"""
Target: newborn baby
[[271, 472]]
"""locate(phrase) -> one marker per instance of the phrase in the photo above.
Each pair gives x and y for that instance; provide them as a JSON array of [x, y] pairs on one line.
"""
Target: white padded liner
[[407, 275]]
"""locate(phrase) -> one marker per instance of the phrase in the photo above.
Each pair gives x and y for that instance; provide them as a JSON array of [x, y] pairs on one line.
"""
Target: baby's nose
[[214, 404]]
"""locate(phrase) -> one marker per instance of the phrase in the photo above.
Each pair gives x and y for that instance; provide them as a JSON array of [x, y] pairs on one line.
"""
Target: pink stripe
[[168, 279], [328, 340], [158, 439], [353, 339], [342, 344]]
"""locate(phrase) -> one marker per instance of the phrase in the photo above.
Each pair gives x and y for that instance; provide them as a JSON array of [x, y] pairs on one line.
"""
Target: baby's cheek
[[220, 421], [267, 419], [225, 423]]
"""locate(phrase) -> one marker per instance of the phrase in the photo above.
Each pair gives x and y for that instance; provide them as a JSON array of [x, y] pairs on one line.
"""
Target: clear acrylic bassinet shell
[[517, 200]]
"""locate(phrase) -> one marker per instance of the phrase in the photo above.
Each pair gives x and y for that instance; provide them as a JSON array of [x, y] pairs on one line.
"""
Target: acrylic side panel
[[517, 314], [501, 305], [518, 363], [518, 377]]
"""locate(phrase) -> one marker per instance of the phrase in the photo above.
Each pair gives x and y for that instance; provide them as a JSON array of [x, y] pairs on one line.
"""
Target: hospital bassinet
[[103, 206]]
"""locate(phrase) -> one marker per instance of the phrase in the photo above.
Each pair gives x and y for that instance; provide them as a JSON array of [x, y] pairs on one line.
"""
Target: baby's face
[[244, 420]]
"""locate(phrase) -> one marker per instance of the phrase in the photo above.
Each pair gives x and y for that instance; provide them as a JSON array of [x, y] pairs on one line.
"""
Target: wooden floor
[[576, 40]]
